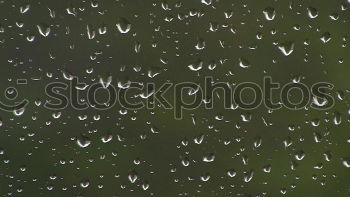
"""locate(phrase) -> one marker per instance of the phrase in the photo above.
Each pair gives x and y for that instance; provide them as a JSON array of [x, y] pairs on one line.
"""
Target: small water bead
[[30, 38], [94, 4], [84, 183], [334, 16], [318, 166], [257, 142], [209, 157], [269, 13], [24, 9], [245, 159], [286, 48], [231, 173], [283, 190], [107, 138], [200, 44], [123, 25], [299, 155], [102, 29], [83, 141], [71, 11], [346, 162], [56, 115], [340, 95], [196, 66], [185, 162], [205, 177], [248, 176], [106, 82], [267, 168], [19, 112], [132, 177], [327, 155], [90, 32], [317, 137], [184, 142], [296, 27], [199, 139], [19, 24], [228, 14], [145, 185], [243, 63], [326, 37], [337, 119], [318, 101], [44, 30], [312, 12], [206, 2], [247, 117]]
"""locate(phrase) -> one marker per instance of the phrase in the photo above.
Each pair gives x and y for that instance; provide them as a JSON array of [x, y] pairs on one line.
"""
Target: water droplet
[[44, 30], [286, 48], [312, 12], [269, 13], [123, 25]]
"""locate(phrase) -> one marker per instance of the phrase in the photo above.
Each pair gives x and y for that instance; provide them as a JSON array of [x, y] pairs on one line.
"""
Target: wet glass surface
[[116, 150]]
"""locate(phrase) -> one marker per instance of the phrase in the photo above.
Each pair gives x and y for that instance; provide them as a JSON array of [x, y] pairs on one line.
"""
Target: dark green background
[[40, 144]]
